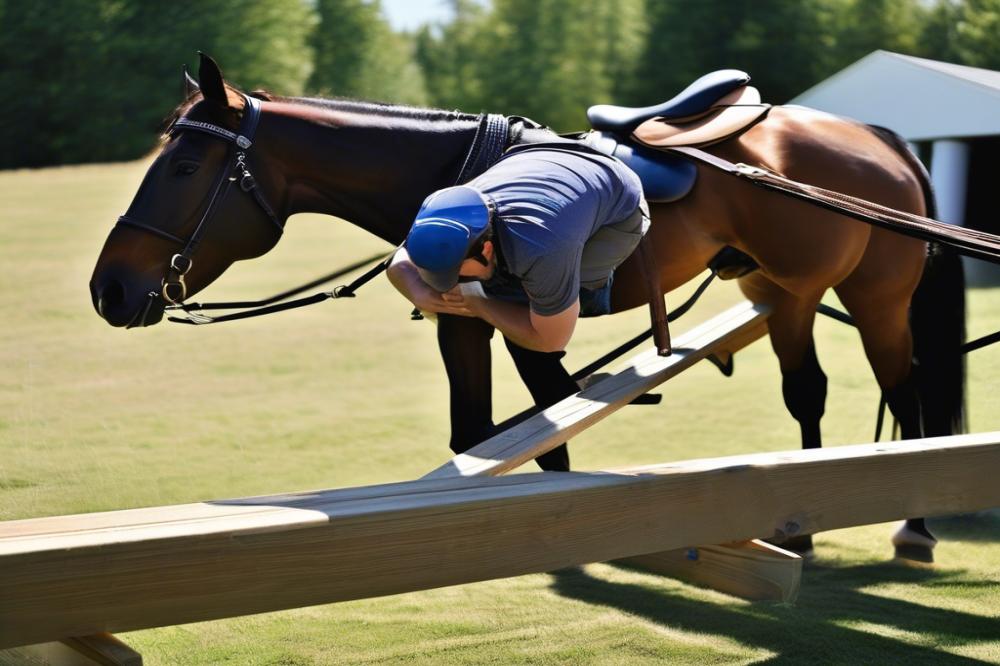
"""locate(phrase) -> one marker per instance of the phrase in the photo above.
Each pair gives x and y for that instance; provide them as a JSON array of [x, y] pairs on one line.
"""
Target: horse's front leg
[[465, 349]]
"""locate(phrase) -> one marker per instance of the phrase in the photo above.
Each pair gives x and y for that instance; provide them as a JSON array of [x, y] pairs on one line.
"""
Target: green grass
[[352, 393]]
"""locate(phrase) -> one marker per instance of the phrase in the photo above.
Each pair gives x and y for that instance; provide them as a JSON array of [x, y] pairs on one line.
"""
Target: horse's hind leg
[[881, 312], [803, 382]]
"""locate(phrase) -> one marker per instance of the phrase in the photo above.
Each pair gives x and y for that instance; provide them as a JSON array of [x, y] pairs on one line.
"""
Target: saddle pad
[[730, 114]]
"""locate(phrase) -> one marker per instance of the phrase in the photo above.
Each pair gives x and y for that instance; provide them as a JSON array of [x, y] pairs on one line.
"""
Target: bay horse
[[374, 164]]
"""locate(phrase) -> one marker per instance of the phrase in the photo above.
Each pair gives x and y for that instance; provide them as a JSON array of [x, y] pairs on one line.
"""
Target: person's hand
[[429, 300], [465, 298], [406, 279]]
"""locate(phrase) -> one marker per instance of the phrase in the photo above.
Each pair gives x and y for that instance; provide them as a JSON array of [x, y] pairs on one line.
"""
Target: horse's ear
[[190, 85], [210, 81]]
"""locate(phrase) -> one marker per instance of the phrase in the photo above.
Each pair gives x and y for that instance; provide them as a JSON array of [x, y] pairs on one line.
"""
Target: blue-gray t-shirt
[[567, 217]]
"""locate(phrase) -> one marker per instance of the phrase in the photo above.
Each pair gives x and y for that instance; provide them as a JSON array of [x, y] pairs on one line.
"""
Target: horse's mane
[[375, 108], [333, 104]]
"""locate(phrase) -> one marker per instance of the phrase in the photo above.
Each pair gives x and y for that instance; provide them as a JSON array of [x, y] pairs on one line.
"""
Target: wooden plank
[[728, 332], [136, 569], [749, 569]]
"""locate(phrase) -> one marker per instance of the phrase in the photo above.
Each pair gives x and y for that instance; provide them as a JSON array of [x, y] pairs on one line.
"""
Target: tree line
[[91, 80]]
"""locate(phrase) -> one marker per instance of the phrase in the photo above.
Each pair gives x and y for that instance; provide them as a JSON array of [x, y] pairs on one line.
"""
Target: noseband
[[173, 289]]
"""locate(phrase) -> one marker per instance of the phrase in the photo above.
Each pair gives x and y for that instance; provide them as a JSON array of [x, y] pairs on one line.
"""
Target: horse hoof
[[913, 546], [907, 553], [800, 545]]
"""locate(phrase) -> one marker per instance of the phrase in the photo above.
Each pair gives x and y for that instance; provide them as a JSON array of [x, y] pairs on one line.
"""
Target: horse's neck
[[372, 170]]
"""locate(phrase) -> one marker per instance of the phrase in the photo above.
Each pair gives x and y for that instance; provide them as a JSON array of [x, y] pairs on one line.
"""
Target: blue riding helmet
[[449, 224]]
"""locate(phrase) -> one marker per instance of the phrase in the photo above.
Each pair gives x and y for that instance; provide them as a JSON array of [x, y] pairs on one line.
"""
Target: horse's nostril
[[125, 299], [110, 297]]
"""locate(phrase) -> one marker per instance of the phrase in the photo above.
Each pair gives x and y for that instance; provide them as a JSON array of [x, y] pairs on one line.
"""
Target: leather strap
[[650, 270], [269, 306], [969, 242]]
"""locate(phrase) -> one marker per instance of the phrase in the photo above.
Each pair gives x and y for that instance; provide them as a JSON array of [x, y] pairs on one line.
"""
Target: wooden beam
[[728, 332], [127, 570], [750, 569]]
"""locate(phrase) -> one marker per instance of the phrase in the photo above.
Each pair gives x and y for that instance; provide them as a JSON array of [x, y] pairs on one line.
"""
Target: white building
[[949, 113]]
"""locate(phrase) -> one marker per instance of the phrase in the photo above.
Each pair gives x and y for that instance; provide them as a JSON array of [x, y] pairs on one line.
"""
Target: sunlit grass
[[352, 393]]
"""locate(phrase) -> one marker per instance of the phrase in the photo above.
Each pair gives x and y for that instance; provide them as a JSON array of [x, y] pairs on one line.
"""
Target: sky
[[411, 14]]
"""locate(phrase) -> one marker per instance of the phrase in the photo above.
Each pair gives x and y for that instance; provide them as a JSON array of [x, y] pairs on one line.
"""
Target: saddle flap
[[734, 112]]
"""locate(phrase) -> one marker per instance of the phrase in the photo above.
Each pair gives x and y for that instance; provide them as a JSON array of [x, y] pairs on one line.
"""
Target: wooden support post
[[96, 650], [127, 570], [753, 570]]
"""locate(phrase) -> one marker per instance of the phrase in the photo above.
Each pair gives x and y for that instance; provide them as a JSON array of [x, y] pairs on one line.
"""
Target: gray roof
[[919, 98]]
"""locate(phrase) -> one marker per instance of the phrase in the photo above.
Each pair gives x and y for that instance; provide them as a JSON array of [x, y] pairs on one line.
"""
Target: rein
[[272, 304]]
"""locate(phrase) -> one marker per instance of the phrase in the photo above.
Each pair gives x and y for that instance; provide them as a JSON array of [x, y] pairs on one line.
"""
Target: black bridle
[[173, 289], [491, 139]]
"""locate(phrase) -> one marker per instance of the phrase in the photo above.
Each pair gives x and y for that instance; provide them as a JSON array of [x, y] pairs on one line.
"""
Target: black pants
[[465, 348]]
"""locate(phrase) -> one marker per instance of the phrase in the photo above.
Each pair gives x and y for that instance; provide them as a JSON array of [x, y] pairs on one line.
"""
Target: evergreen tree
[[533, 57], [780, 44], [358, 55], [449, 54], [977, 33], [863, 26], [92, 79]]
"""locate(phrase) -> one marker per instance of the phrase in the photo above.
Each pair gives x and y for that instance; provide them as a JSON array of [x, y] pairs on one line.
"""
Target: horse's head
[[197, 211]]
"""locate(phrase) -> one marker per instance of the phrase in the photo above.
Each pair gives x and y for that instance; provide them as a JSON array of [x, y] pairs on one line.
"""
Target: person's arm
[[519, 323], [404, 277]]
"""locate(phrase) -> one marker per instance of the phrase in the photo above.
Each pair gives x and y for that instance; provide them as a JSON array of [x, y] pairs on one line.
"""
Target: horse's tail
[[937, 319]]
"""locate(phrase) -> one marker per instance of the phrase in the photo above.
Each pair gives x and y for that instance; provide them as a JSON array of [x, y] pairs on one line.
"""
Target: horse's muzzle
[[123, 302]]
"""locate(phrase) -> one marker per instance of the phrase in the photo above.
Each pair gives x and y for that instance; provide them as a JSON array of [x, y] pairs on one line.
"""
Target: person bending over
[[542, 232]]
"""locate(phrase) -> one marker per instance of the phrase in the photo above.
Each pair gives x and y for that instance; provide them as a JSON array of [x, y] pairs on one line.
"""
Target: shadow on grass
[[812, 630], [983, 526]]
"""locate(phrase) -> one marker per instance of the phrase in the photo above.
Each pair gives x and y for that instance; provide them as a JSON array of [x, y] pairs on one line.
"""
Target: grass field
[[352, 393]]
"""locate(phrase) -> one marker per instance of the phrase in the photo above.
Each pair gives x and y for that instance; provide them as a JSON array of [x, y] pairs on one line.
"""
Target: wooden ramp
[[723, 334], [125, 570], [753, 569]]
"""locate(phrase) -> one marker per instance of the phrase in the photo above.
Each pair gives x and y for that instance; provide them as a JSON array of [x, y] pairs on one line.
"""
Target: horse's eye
[[186, 168]]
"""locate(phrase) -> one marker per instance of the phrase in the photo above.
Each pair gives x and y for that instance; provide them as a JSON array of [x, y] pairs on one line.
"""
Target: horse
[[374, 164]]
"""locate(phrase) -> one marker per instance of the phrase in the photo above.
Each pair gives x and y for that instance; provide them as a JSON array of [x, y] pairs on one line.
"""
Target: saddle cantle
[[694, 100], [729, 115]]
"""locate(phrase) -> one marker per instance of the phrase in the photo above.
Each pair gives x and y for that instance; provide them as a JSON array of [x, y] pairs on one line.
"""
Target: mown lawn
[[352, 393]]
